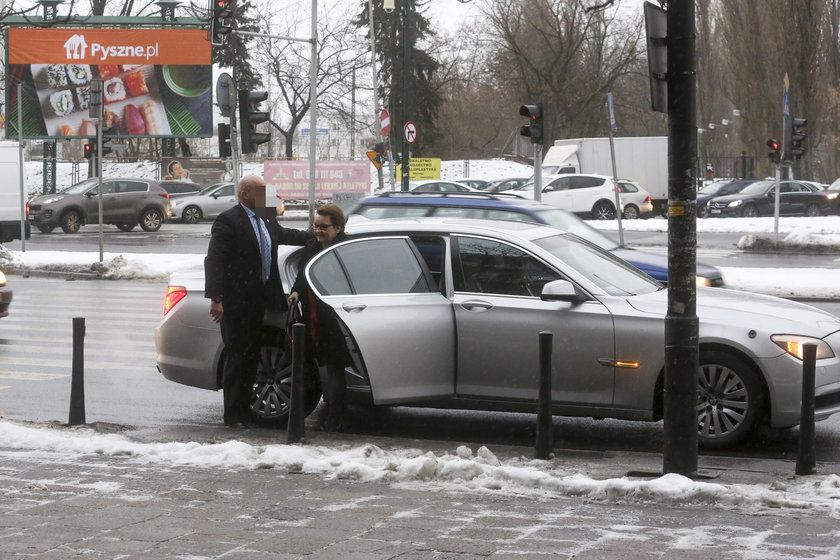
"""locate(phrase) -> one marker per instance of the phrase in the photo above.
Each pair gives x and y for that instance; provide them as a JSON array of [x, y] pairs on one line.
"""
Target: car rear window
[[381, 212]]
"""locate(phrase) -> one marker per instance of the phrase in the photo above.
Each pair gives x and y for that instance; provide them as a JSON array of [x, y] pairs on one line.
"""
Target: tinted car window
[[492, 267], [586, 182], [382, 266], [227, 190], [132, 186], [627, 187]]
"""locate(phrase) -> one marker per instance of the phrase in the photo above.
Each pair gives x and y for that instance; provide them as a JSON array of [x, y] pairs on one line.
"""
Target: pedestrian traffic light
[[797, 137], [534, 130], [224, 140], [775, 155], [249, 117], [89, 150], [220, 21]]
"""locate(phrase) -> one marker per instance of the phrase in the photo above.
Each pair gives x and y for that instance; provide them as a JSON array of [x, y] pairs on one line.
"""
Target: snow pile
[[461, 471]]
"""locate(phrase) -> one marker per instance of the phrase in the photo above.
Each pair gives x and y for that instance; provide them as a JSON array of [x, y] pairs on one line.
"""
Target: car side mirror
[[91, 193], [562, 290], [548, 188]]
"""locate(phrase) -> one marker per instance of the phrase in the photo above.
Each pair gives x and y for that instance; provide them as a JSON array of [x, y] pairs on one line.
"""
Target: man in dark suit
[[242, 281]]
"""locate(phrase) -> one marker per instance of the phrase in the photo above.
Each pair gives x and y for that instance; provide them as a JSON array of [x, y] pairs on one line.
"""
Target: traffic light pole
[[99, 144]]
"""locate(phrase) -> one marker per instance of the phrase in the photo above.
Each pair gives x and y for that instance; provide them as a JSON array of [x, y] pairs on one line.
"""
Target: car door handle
[[476, 305], [354, 307]]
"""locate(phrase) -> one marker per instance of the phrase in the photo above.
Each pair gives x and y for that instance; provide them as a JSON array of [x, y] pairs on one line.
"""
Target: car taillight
[[174, 294], [164, 194], [648, 199], [27, 210]]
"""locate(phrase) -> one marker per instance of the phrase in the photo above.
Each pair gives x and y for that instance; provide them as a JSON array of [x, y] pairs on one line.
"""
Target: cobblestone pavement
[[57, 507]]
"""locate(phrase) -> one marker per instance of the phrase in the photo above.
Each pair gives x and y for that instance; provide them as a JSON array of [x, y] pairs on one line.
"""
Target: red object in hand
[[134, 123]]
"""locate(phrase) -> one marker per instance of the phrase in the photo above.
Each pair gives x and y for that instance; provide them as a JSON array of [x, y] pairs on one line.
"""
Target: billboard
[[291, 178], [157, 82]]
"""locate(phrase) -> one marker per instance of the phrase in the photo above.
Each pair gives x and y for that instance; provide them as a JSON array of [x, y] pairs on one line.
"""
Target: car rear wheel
[[71, 222], [191, 215], [151, 219], [730, 400], [750, 211], [272, 390], [813, 209], [603, 211], [125, 227], [631, 212], [45, 228]]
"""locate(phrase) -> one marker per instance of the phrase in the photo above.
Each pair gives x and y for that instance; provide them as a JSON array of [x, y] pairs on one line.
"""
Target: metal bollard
[[544, 444], [77, 381], [295, 430], [806, 461]]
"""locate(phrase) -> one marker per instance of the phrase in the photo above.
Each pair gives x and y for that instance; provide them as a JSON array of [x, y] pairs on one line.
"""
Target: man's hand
[[293, 298], [216, 310]]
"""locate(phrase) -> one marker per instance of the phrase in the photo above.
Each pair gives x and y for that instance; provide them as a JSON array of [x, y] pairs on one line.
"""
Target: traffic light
[[534, 130], [797, 137], [89, 150], [249, 117], [775, 155], [220, 21], [224, 140], [106, 137]]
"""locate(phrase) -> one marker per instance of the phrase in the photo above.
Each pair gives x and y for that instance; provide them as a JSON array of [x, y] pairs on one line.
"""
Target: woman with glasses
[[325, 336]]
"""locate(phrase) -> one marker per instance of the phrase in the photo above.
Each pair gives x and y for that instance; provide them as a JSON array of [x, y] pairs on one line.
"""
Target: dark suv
[[503, 206], [125, 203]]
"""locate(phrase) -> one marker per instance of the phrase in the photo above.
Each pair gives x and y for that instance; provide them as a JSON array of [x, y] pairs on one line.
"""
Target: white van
[[10, 193]]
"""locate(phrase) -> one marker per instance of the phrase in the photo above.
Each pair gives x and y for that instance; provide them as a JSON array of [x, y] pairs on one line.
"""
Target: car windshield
[[759, 187], [80, 188], [602, 268], [711, 188], [835, 186], [208, 190], [568, 222]]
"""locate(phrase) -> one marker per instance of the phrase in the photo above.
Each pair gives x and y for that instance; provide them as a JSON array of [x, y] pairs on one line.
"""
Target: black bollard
[[77, 381], [294, 432], [544, 444], [806, 462]]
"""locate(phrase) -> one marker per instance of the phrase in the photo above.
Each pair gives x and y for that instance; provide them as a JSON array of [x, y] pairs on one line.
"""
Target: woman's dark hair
[[333, 212]]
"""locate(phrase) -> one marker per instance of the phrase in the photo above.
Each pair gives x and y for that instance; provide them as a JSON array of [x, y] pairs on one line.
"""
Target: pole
[[77, 379], [20, 171], [313, 107], [405, 101], [99, 189], [611, 128], [295, 429], [681, 322], [538, 172], [776, 191], [544, 444], [376, 124], [806, 461]]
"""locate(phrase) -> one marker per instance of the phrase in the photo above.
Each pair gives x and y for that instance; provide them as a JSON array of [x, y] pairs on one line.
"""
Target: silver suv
[[125, 203]]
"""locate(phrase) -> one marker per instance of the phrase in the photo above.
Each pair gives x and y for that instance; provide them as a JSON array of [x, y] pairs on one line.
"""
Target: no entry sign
[[385, 122]]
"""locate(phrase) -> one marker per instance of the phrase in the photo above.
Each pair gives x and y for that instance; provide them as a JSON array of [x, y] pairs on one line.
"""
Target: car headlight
[[2, 279], [735, 203], [792, 344], [702, 281], [52, 199], [175, 203]]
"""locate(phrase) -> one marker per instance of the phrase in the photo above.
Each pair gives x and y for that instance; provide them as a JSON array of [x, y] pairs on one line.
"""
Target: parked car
[[479, 292], [477, 184], [502, 185], [436, 185], [506, 206], [209, 203], [758, 199], [125, 203], [637, 201], [718, 188], [590, 196], [180, 188], [5, 296]]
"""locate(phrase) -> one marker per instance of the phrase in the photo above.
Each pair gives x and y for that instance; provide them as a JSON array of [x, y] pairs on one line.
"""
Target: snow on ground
[[460, 471]]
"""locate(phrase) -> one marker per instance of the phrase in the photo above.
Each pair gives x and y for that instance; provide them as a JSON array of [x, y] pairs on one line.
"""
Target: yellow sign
[[421, 169], [372, 156]]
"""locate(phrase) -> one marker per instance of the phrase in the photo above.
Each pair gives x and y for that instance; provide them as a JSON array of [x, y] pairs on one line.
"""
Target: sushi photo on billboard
[[152, 87]]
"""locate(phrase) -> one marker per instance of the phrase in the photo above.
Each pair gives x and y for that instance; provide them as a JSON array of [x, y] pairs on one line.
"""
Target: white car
[[446, 313], [637, 201], [437, 185], [590, 196], [209, 203]]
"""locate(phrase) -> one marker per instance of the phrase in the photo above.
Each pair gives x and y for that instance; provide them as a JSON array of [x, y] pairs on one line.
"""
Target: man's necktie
[[265, 248]]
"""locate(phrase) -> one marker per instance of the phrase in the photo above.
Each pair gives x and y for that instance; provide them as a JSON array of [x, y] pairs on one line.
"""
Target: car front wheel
[[191, 215], [603, 211], [272, 390], [750, 211], [151, 219], [71, 222], [730, 400], [43, 228], [125, 227]]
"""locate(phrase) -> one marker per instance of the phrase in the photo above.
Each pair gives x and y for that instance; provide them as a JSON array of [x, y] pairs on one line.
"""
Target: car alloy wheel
[[631, 212], [729, 400], [750, 211], [603, 211], [151, 220], [71, 222], [191, 215], [272, 389], [813, 210]]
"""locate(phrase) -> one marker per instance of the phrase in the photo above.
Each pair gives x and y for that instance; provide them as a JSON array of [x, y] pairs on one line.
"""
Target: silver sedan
[[446, 313]]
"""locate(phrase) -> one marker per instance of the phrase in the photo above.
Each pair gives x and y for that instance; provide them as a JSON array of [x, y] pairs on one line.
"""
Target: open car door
[[403, 327]]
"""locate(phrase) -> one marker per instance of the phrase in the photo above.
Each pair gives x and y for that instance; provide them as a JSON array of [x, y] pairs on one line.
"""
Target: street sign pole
[[20, 163]]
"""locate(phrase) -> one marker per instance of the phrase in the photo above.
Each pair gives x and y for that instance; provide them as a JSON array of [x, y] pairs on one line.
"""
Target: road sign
[[373, 156], [385, 122], [410, 132], [225, 93]]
